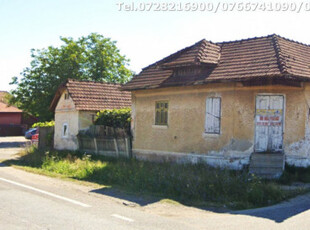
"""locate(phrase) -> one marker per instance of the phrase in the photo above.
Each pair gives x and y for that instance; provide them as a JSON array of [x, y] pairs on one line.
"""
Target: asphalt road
[[30, 201], [9, 146]]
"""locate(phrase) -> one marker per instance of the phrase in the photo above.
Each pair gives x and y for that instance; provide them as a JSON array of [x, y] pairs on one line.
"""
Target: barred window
[[161, 113]]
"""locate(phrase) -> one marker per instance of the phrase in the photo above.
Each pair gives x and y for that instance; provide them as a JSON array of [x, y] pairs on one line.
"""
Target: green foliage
[[6, 98], [190, 184], [44, 124], [117, 118], [88, 58], [295, 174]]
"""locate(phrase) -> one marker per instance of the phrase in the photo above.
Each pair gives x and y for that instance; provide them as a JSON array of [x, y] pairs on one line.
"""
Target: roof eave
[[284, 77]]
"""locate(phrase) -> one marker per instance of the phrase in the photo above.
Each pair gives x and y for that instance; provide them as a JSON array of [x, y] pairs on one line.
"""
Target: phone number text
[[215, 7]]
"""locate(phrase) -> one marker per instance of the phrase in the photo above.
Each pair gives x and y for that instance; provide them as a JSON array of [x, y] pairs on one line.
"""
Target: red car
[[35, 137]]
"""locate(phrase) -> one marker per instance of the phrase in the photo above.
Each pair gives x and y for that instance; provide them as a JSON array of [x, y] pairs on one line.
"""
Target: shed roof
[[266, 57], [93, 96], [4, 108]]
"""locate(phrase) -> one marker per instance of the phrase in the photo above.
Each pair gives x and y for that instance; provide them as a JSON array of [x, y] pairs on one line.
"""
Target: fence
[[104, 140]]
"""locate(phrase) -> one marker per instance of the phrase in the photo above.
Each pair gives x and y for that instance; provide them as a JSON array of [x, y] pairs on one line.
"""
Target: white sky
[[144, 37]]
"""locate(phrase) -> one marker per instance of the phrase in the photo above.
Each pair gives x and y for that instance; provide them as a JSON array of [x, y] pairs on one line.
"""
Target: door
[[269, 123]]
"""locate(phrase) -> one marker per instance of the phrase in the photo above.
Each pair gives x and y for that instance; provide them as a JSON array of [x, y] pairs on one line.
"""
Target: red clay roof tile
[[94, 96], [267, 57], [4, 108]]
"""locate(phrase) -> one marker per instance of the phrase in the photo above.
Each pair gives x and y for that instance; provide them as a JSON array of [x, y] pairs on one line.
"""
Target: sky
[[145, 35]]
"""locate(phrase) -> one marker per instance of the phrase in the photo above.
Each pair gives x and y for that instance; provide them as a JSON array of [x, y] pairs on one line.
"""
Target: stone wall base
[[297, 161], [237, 162], [221, 161]]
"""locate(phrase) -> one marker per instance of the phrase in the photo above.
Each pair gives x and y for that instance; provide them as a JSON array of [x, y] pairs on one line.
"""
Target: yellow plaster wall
[[186, 118], [85, 119], [298, 150]]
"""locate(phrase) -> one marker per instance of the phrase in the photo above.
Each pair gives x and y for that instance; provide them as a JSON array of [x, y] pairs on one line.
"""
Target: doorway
[[269, 123]]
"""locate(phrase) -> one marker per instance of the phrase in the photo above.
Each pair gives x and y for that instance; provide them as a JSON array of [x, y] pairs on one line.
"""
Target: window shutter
[[213, 114], [209, 117], [216, 114]]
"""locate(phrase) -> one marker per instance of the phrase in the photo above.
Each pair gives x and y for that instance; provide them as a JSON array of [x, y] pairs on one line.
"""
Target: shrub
[[117, 118], [293, 174], [44, 124]]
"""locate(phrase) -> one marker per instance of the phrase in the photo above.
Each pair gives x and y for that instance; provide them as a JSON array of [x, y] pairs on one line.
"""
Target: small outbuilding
[[13, 121], [229, 104], [75, 105], [10, 120]]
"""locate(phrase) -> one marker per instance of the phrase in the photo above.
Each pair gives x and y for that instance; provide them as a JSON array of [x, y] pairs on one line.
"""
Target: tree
[[88, 58]]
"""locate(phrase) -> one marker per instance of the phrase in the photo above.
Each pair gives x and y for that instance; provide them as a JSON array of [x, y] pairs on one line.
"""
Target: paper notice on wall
[[269, 117]]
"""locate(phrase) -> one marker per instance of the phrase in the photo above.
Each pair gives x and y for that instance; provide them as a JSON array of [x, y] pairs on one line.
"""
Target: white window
[[67, 96], [213, 115], [65, 130]]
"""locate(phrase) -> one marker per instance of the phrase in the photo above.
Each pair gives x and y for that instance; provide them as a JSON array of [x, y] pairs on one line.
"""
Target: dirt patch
[[169, 208]]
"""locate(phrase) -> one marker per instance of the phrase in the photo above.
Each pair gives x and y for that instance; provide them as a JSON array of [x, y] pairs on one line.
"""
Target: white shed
[[75, 105]]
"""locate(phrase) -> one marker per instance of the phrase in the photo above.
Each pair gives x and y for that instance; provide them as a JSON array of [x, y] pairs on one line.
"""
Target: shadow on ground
[[278, 213], [141, 200], [4, 165], [16, 144], [282, 211], [144, 200]]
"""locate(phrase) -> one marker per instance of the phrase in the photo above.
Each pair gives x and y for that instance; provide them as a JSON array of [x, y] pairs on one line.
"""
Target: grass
[[295, 174], [189, 184]]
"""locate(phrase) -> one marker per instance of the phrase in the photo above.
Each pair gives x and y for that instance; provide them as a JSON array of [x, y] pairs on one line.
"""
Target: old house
[[227, 104], [75, 105]]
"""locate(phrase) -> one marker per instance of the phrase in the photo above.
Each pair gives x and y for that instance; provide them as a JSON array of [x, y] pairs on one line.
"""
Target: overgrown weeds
[[295, 174], [186, 183]]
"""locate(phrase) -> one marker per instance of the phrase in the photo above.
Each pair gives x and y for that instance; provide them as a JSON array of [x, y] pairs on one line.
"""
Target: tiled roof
[[203, 52], [94, 96], [4, 108], [295, 57], [264, 57]]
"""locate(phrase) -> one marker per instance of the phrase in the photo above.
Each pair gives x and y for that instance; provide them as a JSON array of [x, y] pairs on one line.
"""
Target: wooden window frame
[[219, 116], [162, 110]]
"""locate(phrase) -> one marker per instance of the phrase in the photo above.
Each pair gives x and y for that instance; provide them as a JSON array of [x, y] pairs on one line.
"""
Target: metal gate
[[269, 123]]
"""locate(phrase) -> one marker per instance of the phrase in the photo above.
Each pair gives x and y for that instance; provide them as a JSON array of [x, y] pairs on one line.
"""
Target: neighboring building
[[13, 121], [221, 102], [10, 115], [76, 104]]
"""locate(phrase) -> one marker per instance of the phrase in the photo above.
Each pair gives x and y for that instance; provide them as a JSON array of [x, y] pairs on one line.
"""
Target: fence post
[[96, 148], [116, 147]]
